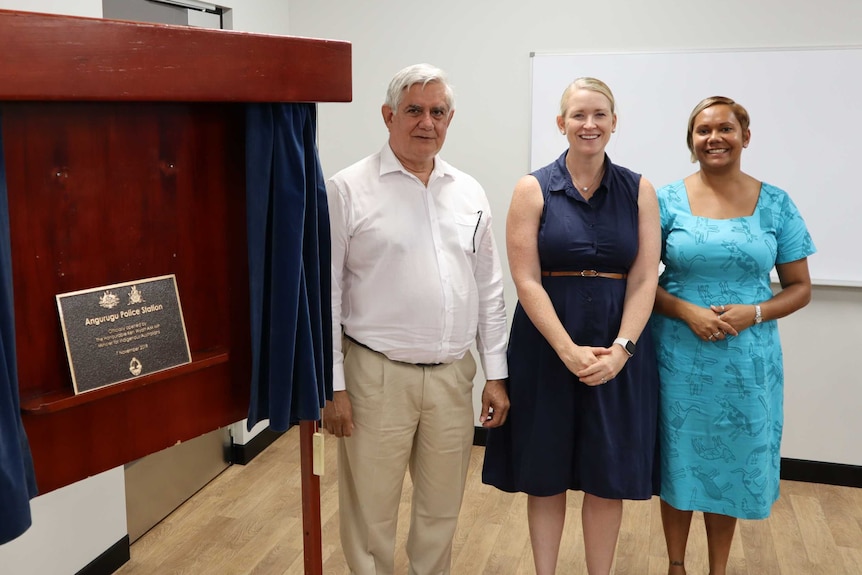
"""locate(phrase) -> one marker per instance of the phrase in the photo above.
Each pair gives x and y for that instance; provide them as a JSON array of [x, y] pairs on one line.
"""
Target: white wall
[[90, 8], [485, 46], [239, 433], [71, 527], [258, 16]]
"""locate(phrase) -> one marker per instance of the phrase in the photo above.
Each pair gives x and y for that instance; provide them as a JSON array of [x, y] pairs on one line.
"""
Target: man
[[416, 279]]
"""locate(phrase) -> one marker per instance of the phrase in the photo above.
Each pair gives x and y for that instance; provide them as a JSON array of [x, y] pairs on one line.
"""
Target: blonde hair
[[738, 110], [586, 83]]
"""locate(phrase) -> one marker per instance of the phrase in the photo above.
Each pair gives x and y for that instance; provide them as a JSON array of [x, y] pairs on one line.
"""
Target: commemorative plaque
[[119, 332]]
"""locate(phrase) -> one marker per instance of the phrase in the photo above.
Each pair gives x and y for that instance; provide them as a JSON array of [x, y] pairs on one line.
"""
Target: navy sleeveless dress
[[562, 434]]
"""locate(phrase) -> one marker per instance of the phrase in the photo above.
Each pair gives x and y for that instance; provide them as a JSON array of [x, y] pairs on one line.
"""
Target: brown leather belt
[[585, 274]]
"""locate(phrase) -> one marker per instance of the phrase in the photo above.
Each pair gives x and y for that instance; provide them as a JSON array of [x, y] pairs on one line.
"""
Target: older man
[[416, 280]]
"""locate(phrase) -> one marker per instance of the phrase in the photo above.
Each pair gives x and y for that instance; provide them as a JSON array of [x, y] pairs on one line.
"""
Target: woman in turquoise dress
[[719, 354]]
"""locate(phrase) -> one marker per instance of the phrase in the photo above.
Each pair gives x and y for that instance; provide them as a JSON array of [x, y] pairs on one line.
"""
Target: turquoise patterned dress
[[721, 407]]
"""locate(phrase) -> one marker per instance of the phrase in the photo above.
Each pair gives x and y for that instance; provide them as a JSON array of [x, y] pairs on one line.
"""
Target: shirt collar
[[389, 163], [561, 180]]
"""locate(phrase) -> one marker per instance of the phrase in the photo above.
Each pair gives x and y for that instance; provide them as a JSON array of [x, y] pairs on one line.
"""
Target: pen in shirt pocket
[[476, 229]]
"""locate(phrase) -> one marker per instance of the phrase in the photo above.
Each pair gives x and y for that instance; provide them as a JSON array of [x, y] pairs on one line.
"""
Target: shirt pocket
[[471, 228]]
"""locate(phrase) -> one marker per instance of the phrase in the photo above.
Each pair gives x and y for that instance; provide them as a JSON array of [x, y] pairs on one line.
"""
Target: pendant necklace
[[587, 188]]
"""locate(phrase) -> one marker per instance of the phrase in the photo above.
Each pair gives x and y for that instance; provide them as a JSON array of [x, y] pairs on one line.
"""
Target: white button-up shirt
[[415, 269]]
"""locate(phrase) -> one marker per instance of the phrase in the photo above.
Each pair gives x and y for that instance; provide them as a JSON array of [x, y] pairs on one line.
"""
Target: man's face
[[417, 129]]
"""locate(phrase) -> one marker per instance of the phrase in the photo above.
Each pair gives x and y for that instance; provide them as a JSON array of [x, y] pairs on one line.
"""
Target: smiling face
[[587, 121], [417, 130], [717, 137]]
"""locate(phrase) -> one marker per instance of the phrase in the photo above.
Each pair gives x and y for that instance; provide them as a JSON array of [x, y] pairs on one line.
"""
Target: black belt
[[360, 344]]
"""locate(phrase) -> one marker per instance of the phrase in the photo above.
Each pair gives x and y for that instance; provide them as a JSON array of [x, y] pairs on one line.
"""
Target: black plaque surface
[[119, 332]]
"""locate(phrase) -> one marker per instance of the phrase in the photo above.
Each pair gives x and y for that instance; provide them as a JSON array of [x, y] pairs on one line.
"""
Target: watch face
[[630, 347]]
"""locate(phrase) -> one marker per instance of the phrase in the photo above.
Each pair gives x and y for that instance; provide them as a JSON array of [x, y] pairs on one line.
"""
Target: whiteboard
[[806, 128]]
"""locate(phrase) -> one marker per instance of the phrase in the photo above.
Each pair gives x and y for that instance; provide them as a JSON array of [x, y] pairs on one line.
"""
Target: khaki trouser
[[404, 415]]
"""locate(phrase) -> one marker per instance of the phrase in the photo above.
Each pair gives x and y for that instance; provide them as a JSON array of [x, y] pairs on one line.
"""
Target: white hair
[[417, 74]]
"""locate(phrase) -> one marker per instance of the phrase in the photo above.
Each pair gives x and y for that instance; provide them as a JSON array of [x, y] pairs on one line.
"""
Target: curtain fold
[[289, 266], [17, 478]]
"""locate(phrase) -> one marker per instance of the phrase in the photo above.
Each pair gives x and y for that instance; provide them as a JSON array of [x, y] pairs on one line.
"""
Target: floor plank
[[248, 521]]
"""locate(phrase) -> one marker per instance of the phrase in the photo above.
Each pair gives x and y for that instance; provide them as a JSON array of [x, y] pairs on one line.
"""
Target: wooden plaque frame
[[126, 138]]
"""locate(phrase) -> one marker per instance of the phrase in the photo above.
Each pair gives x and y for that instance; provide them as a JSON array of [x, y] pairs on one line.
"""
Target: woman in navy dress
[[583, 243]]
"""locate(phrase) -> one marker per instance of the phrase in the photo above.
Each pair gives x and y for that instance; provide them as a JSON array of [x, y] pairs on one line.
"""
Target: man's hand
[[495, 403], [338, 415]]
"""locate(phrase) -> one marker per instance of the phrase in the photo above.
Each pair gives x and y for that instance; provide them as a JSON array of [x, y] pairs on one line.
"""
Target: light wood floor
[[248, 520]]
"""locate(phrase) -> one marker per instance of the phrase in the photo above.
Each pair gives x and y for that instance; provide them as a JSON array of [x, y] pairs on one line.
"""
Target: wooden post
[[311, 530]]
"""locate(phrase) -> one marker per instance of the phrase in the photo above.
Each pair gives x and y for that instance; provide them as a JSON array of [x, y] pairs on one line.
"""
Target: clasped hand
[[595, 365], [719, 321]]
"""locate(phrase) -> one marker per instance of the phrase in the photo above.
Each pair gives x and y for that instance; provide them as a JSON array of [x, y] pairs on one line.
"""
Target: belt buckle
[[589, 274]]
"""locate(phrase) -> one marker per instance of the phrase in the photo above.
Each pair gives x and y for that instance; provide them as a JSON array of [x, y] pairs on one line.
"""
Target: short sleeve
[[794, 241], [667, 196]]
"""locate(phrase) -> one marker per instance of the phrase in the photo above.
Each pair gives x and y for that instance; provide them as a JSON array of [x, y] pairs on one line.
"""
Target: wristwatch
[[627, 344], [758, 316]]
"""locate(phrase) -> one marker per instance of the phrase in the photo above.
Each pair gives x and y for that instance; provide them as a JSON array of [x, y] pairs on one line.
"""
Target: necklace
[[587, 188]]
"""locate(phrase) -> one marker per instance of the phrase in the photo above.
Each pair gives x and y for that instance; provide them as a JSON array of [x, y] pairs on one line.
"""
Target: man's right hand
[[338, 415]]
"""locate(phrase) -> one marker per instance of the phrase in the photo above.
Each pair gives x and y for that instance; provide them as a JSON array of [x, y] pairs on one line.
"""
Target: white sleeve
[[492, 335], [338, 229]]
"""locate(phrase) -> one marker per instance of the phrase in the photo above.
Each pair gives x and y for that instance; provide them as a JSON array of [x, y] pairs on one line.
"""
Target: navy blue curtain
[[17, 480], [289, 266]]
